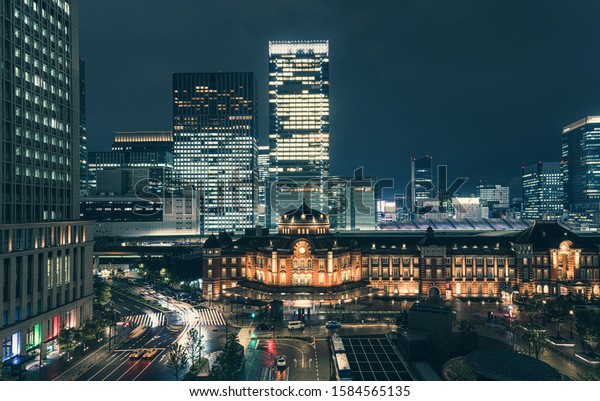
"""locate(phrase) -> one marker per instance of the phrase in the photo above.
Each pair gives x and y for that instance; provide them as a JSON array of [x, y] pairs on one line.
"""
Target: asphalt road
[[306, 360], [161, 333]]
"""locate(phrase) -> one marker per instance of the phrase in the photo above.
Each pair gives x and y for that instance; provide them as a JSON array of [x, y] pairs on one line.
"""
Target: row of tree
[[559, 311], [227, 365], [181, 355]]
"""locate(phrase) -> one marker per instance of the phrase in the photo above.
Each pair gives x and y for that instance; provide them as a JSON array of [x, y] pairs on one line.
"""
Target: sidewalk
[[56, 366]]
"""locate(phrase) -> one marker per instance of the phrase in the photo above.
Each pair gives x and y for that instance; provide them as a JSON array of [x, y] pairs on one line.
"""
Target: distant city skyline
[[408, 79]]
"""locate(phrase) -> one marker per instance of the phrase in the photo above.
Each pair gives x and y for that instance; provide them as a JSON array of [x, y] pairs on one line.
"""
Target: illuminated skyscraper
[[298, 125], [421, 182], [580, 160], [83, 166], [148, 155], [215, 133], [46, 281], [542, 191], [263, 183]]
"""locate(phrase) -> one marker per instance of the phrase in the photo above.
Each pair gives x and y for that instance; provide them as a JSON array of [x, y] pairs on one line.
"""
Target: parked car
[[264, 326], [332, 324], [281, 361]]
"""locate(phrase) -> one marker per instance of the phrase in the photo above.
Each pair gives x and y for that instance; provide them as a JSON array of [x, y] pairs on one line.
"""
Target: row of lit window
[[56, 58], [48, 105], [41, 83], [47, 139]]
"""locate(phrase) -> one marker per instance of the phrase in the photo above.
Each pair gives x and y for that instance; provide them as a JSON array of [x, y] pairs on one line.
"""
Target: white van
[[295, 324]]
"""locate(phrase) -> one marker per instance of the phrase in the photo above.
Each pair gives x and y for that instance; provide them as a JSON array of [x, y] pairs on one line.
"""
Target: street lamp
[[571, 314]]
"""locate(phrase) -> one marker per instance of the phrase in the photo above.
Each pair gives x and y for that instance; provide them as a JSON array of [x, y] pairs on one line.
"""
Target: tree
[[588, 327], [229, 362], [591, 373], [100, 321], [461, 370], [102, 291], [194, 345], [558, 312], [529, 305], [537, 342], [177, 360], [402, 320], [67, 340], [88, 331], [468, 339]]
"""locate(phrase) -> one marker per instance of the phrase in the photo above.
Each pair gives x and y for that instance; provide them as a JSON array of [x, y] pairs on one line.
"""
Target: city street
[[307, 351], [163, 330]]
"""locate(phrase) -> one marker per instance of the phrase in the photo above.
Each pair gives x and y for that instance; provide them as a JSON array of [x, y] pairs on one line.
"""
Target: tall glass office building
[[421, 181], [215, 134], [263, 183], [45, 253], [542, 191], [580, 161], [83, 151], [298, 125]]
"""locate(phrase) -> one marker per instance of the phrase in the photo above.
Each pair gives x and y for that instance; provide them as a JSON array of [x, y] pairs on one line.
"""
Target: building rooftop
[[502, 365]]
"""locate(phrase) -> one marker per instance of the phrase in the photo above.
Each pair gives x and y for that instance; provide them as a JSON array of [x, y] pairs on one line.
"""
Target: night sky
[[482, 86]]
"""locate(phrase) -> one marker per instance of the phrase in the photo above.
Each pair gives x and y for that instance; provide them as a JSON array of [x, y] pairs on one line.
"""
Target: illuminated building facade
[[352, 202], [174, 214], [147, 154], [542, 191], [495, 199], [298, 125], [45, 252], [305, 262], [581, 177], [83, 153], [215, 132], [263, 184], [421, 182]]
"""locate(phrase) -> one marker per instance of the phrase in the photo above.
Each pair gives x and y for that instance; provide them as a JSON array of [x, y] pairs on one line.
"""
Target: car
[[264, 326], [137, 354], [295, 325], [281, 361], [332, 324], [150, 353]]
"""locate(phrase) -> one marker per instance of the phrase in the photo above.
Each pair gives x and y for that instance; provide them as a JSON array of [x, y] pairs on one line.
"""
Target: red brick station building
[[305, 264]]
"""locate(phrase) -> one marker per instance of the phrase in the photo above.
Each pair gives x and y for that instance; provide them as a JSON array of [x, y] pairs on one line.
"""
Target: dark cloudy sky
[[483, 86]]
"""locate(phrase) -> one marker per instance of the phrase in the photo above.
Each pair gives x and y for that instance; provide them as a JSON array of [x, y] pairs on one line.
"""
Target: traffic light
[[253, 315]]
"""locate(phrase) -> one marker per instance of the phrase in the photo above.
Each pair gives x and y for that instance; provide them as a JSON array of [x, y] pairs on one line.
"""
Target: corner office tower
[[45, 252], [298, 125], [215, 134]]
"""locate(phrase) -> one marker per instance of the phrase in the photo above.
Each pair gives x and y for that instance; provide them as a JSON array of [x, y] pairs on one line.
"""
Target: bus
[[342, 368], [337, 345]]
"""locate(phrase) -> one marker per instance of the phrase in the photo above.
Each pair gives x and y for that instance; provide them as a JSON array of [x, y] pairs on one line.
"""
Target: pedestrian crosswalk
[[210, 317], [147, 319]]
